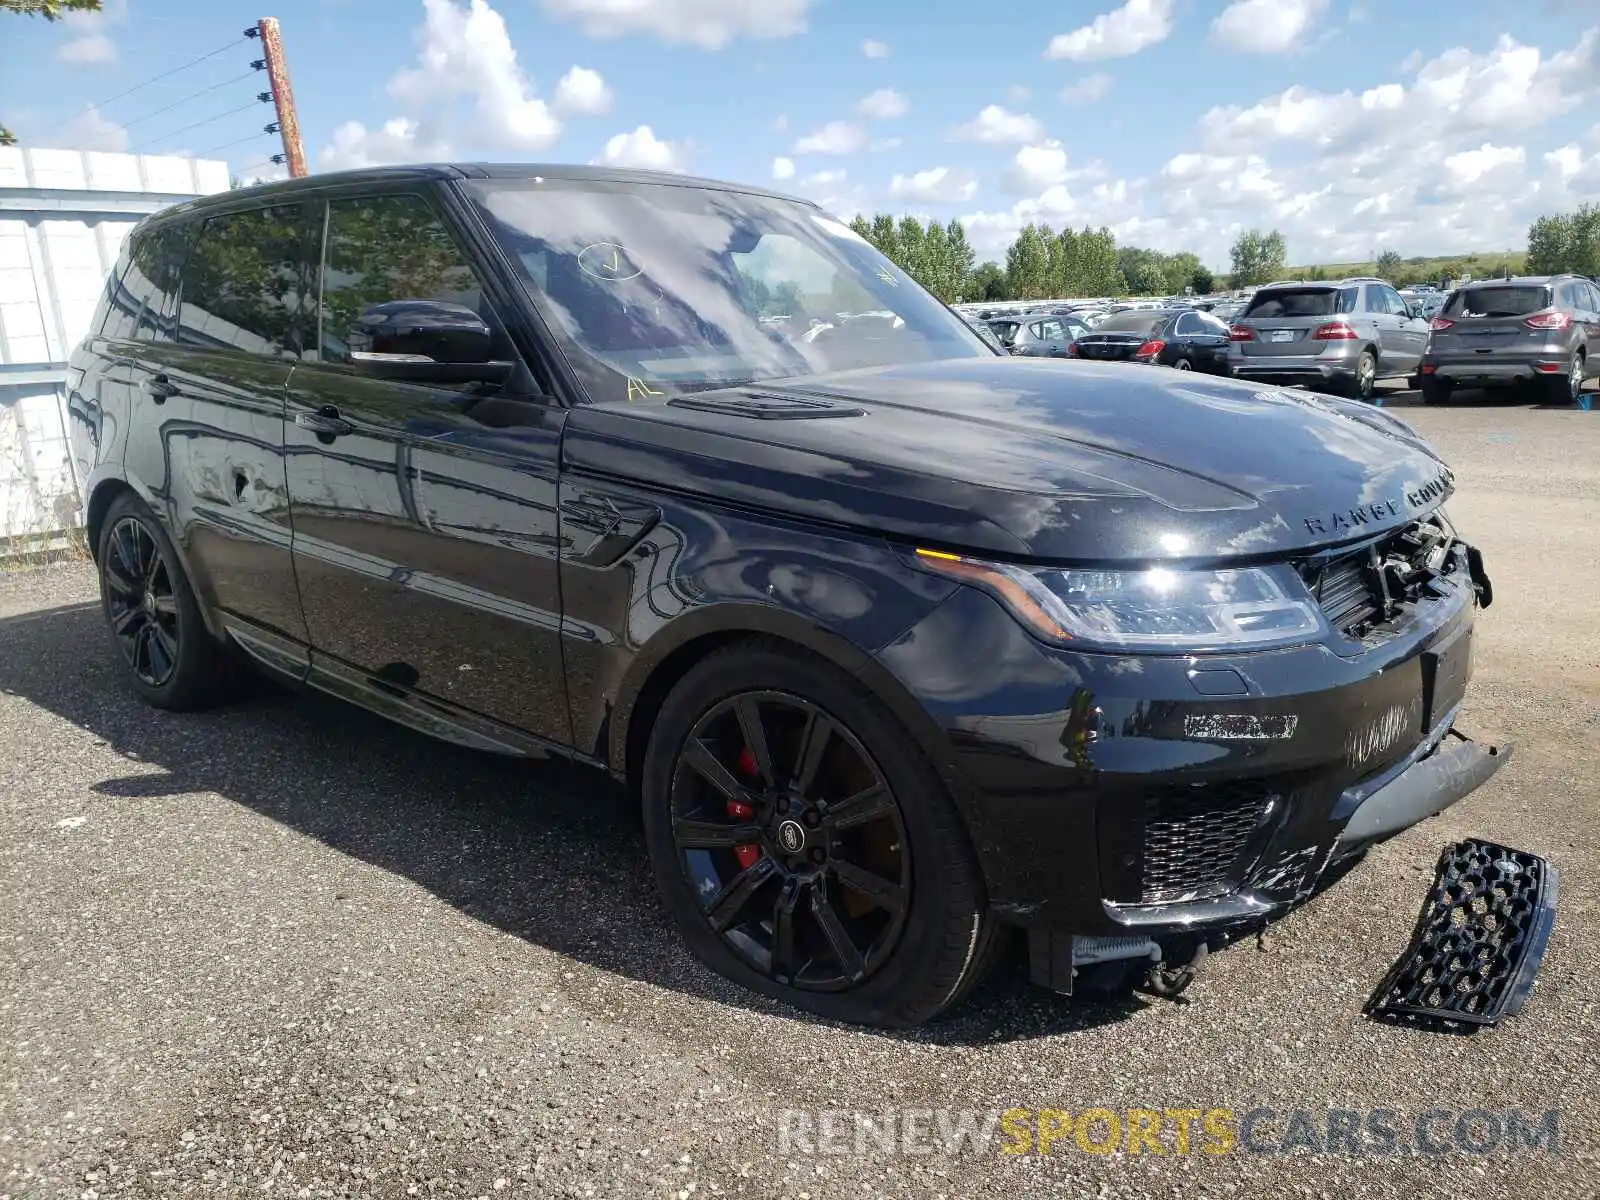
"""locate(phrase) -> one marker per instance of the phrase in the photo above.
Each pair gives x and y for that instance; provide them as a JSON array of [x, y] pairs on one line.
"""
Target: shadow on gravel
[[544, 850]]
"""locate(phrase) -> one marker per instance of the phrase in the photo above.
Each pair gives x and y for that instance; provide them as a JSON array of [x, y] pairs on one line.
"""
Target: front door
[[425, 527]]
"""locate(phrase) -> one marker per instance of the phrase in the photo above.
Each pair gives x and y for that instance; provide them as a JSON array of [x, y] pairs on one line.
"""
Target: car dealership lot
[[285, 943]]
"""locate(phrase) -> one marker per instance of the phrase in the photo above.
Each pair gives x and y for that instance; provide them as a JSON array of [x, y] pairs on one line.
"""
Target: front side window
[[384, 250], [653, 289], [249, 282]]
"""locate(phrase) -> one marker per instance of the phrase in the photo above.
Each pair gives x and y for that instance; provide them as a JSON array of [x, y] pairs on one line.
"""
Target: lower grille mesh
[[1195, 837]]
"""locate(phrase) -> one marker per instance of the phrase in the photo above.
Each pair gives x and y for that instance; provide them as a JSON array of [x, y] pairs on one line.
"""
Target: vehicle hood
[[1035, 459]]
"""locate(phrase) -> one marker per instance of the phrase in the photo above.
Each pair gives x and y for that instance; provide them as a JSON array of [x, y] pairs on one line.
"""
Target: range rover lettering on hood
[[1351, 519]]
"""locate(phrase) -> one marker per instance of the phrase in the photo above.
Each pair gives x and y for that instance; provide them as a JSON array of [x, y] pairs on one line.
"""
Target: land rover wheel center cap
[[791, 837]]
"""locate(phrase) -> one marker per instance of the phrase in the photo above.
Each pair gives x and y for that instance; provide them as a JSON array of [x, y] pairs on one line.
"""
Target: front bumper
[[1111, 795]]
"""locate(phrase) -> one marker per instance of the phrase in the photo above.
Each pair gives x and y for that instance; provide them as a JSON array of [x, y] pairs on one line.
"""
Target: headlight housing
[[1158, 609]]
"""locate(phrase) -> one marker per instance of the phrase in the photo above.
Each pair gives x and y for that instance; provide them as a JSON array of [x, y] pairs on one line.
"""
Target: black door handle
[[325, 422], [158, 388]]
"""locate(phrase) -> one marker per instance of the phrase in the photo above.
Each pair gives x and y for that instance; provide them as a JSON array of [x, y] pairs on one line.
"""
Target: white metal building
[[63, 217]]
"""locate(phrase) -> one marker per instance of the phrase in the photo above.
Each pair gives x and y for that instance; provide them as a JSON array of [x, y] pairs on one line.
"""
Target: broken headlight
[[1152, 608]]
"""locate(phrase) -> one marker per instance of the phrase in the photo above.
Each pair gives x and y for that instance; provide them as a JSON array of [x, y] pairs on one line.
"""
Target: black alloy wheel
[[172, 660], [791, 835], [804, 843], [140, 602]]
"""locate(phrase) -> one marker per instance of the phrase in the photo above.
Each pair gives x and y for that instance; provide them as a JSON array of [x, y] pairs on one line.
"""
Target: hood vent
[[768, 406]]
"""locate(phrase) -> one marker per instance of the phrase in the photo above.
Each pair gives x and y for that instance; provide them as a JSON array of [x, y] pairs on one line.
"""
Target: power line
[[158, 78], [197, 124], [194, 62], [191, 96], [249, 137]]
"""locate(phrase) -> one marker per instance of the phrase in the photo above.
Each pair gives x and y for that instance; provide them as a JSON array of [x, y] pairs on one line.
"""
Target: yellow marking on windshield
[[638, 387]]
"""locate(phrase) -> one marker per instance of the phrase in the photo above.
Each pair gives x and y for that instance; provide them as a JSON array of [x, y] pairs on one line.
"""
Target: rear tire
[[1568, 388], [1182, 364], [1362, 384], [1436, 391], [899, 968], [167, 653]]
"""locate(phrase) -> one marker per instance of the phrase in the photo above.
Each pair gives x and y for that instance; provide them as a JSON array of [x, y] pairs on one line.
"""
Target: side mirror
[[425, 341]]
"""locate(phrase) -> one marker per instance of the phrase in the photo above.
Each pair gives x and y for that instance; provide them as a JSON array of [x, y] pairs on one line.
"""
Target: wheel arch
[[103, 494], [674, 652]]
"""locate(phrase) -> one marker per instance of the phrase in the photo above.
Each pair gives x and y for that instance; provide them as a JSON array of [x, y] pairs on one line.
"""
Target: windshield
[[1302, 302], [662, 288], [1498, 301], [1131, 322]]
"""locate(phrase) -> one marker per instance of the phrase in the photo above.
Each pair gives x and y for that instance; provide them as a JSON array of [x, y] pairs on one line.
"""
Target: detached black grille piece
[[1196, 837], [1478, 942]]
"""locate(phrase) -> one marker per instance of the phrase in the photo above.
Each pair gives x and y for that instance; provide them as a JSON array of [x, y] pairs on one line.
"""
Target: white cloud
[[783, 168], [873, 49], [642, 149], [1018, 94], [1036, 168], [1469, 166], [933, 185], [1116, 34], [1087, 90], [822, 179], [582, 93], [91, 48], [1265, 26], [996, 125], [709, 24], [91, 130], [466, 92], [780, 123], [836, 137], [882, 105]]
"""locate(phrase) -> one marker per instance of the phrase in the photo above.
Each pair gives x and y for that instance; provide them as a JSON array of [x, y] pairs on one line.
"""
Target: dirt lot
[[286, 949]]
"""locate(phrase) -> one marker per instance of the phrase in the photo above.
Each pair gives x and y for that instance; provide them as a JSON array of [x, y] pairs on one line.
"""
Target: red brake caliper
[[740, 811]]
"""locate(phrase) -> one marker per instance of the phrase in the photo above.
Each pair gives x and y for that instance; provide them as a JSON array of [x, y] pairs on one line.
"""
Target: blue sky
[[1433, 126]]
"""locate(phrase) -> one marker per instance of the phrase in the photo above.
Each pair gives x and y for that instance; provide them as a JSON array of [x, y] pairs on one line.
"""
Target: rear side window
[[1511, 301], [386, 248], [143, 300], [1302, 302], [249, 282]]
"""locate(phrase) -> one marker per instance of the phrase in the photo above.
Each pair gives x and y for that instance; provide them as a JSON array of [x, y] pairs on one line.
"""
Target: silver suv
[[1341, 337], [1541, 330]]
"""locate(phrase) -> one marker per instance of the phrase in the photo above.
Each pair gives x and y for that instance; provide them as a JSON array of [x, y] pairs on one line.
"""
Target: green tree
[[1097, 264], [1028, 265], [1179, 270], [50, 10], [1257, 257], [988, 283], [1389, 266], [1147, 277], [1566, 242], [959, 257], [1203, 282]]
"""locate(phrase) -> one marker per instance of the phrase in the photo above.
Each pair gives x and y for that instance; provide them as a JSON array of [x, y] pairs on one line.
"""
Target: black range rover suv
[[899, 642]]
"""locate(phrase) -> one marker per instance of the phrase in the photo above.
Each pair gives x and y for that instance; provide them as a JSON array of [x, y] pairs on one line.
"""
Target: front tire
[[804, 845], [154, 619]]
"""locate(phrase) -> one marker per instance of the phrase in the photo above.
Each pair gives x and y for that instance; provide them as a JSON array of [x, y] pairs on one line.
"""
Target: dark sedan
[[898, 643], [1183, 339]]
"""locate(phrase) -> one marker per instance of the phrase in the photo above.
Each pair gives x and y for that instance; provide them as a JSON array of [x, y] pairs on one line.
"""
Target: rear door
[[425, 527], [207, 434], [1283, 320], [1403, 335], [1208, 338], [1591, 320]]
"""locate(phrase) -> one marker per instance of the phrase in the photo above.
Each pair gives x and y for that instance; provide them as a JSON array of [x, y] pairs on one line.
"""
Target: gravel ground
[[287, 949]]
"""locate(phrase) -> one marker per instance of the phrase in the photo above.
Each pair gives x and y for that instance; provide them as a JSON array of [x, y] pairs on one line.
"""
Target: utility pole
[[282, 96]]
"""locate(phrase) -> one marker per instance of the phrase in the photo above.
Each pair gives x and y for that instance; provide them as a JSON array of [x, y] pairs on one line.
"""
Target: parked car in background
[[1004, 329], [983, 330], [1541, 330], [1181, 338], [1341, 337], [1047, 337]]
